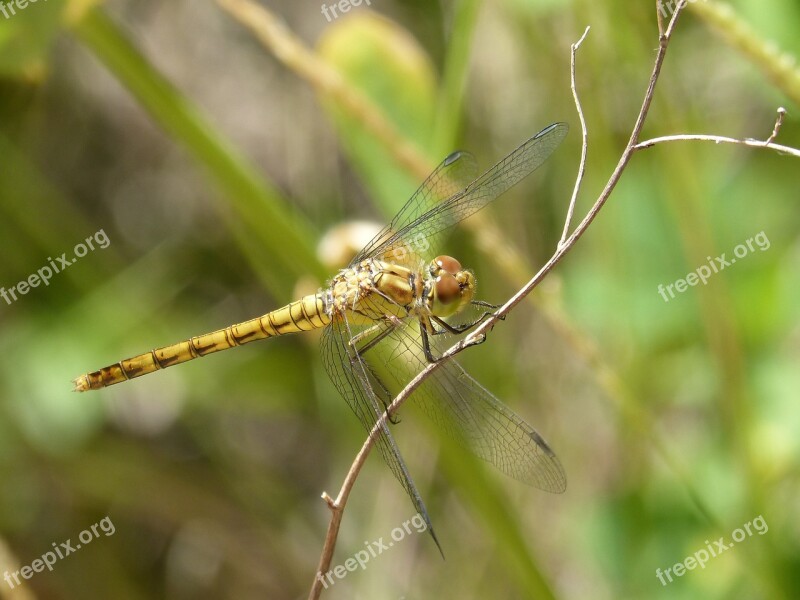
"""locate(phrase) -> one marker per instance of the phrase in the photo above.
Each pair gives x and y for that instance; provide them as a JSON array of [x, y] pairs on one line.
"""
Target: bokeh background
[[216, 163]]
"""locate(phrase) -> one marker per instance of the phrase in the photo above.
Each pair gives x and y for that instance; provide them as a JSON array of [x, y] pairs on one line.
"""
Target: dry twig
[[718, 139], [584, 138]]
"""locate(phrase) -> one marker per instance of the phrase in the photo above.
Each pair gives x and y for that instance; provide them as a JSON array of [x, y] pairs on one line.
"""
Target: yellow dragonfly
[[386, 315]]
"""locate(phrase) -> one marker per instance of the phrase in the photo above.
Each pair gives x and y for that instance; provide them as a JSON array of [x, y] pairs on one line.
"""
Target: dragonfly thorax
[[350, 286], [372, 289], [375, 289]]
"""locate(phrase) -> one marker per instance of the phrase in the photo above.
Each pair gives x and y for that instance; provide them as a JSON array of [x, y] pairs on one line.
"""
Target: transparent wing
[[430, 213], [474, 417], [452, 176], [479, 421], [367, 397]]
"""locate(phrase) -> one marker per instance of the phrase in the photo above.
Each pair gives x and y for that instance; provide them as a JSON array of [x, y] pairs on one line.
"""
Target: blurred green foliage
[[214, 170]]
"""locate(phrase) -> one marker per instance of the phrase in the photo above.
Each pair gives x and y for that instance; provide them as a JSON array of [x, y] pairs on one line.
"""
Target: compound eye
[[448, 264], [447, 289]]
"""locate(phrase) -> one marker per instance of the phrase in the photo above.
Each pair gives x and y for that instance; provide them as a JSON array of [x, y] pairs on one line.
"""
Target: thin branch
[[778, 123], [337, 506], [718, 139], [584, 142]]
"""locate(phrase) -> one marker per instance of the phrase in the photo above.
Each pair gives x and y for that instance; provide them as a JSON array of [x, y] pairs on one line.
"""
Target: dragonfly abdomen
[[302, 315]]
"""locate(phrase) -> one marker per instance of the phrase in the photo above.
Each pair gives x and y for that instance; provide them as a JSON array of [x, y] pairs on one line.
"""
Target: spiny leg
[[457, 329], [384, 328], [485, 304], [426, 344], [488, 305]]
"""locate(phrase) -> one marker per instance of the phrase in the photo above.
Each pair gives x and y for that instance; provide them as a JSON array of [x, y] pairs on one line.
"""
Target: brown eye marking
[[447, 289], [448, 264]]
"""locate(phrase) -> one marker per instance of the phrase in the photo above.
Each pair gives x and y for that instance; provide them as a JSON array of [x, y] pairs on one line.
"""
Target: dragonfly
[[384, 319]]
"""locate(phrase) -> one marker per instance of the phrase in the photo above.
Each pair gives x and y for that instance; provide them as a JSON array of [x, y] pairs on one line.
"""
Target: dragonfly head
[[453, 287]]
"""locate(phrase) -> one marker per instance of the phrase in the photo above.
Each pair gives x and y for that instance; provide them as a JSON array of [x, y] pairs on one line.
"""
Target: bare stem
[[719, 139], [337, 505], [584, 142], [778, 122]]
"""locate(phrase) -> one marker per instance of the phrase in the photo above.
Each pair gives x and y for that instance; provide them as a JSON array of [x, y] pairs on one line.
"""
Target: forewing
[[452, 175], [421, 232]]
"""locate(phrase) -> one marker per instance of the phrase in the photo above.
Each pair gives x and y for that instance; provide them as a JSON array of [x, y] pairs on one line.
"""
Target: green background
[[215, 170]]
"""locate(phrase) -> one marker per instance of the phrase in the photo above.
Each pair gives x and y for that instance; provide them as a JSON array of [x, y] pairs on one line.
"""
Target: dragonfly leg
[[426, 344], [487, 314], [382, 329], [446, 327], [488, 305]]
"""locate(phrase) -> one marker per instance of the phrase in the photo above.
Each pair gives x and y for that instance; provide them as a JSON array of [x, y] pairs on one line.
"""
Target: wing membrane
[[414, 229], [452, 175], [474, 417]]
